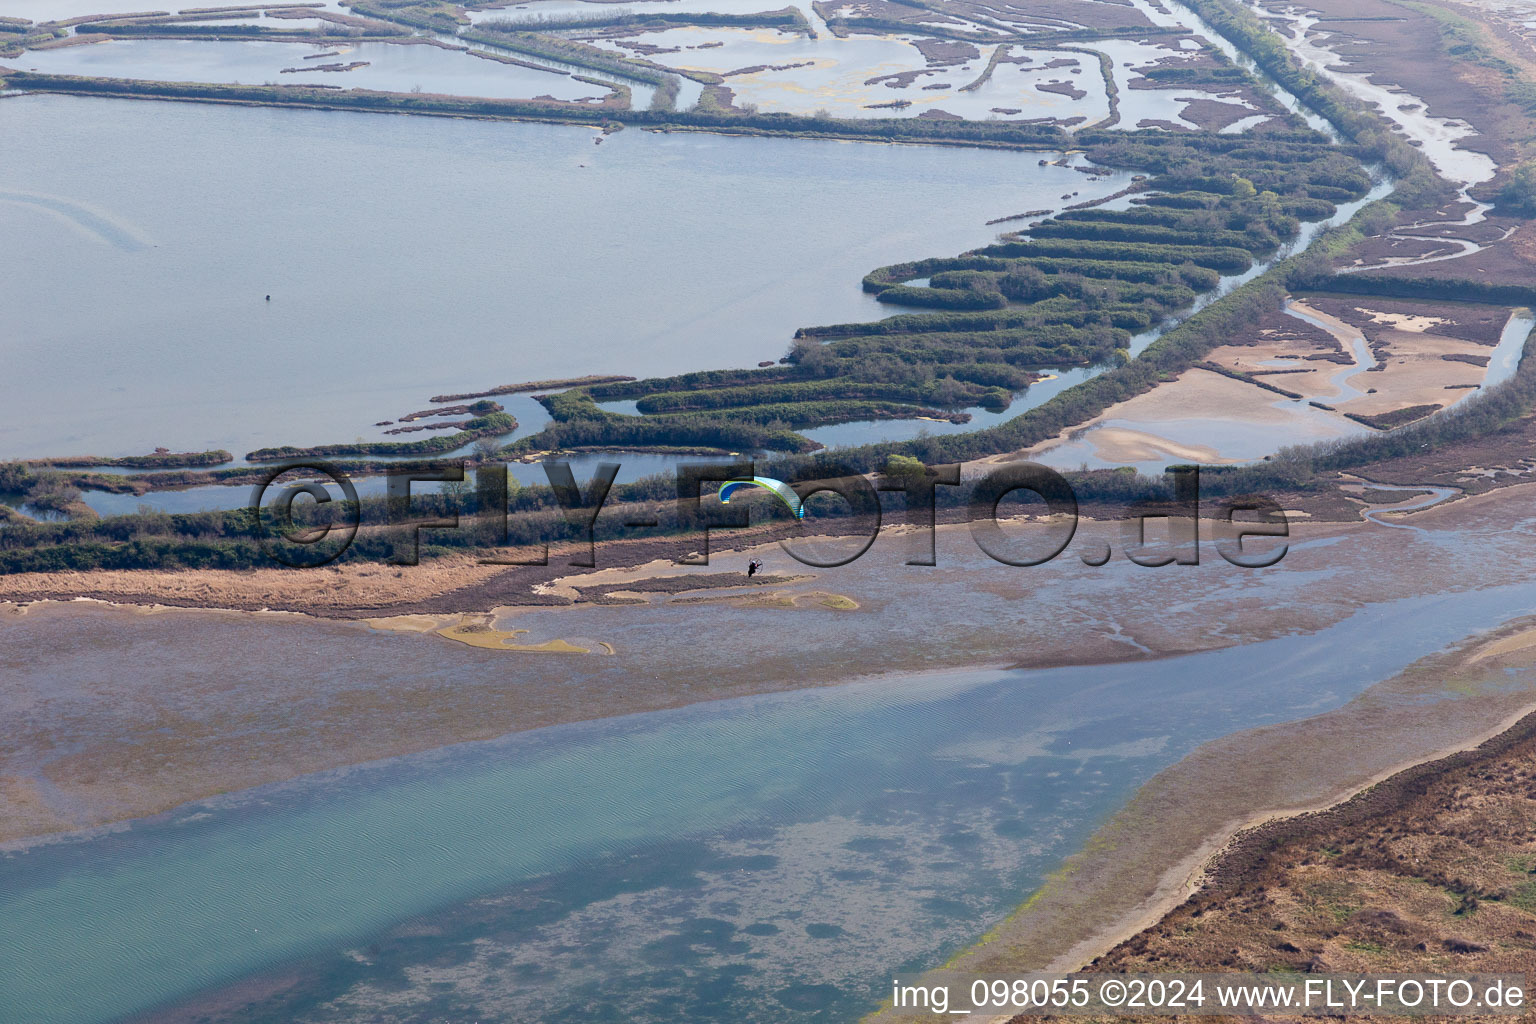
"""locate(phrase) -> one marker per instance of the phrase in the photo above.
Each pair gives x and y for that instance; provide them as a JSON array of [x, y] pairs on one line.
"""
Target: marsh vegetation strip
[[679, 837], [632, 466], [1196, 418], [686, 288]]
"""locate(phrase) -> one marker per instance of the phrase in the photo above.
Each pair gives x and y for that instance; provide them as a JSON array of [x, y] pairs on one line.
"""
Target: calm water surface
[[408, 257]]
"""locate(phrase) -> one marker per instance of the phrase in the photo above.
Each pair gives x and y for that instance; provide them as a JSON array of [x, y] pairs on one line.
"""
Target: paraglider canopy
[[785, 493]]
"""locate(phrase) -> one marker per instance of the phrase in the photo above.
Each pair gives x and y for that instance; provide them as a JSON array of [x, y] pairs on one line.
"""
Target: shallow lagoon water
[[392, 67], [532, 417], [801, 799], [841, 73], [765, 858], [408, 257]]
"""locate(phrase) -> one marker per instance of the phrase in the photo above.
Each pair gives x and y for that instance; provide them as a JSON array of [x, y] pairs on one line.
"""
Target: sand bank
[[1233, 414]]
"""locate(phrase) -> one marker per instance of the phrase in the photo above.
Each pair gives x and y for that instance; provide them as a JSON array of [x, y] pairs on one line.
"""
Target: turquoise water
[[769, 858]]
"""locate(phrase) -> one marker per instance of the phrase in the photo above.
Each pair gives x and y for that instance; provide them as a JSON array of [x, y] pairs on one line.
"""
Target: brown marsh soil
[[1401, 46], [1213, 115], [1475, 466], [1277, 334], [1432, 870], [1375, 317], [886, 11], [1381, 248], [1066, 89], [946, 52]]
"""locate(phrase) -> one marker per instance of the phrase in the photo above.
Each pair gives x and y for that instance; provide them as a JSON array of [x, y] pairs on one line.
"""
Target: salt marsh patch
[[60, 10], [1131, 58]]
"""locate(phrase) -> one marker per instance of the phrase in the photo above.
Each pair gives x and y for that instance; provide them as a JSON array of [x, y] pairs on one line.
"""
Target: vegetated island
[[161, 458]]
